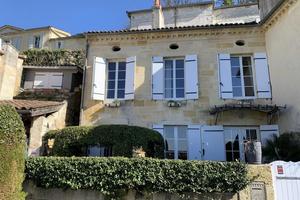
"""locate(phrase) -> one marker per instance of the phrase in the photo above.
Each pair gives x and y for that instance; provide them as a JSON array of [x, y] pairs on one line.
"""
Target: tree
[[286, 147], [12, 154]]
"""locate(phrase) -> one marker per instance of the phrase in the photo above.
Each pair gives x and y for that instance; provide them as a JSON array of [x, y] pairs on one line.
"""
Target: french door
[[235, 138]]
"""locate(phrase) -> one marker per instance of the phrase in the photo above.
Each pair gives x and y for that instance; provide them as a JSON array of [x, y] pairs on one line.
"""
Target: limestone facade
[[10, 72]]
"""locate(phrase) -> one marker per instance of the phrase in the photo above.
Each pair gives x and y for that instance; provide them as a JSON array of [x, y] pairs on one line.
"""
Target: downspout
[[83, 79]]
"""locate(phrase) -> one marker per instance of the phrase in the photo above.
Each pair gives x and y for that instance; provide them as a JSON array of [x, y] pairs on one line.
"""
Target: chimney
[[157, 4], [157, 15]]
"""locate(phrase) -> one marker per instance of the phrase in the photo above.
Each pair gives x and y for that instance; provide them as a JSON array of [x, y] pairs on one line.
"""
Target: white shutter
[[99, 73], [159, 128], [158, 78], [267, 132], [30, 42], [191, 77], [213, 143], [262, 76], [40, 80], [226, 91], [194, 142], [55, 80], [130, 70]]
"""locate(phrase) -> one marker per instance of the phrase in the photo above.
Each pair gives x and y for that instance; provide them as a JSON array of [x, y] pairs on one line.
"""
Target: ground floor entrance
[[216, 143]]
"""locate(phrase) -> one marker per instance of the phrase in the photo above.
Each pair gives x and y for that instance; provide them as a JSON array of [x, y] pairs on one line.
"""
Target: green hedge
[[12, 154], [72, 141], [117, 175], [44, 57]]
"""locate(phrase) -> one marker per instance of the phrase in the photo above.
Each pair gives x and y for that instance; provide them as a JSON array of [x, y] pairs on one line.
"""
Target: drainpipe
[[83, 79]]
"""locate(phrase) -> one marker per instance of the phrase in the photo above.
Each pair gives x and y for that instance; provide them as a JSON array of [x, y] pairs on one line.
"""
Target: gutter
[[84, 79]]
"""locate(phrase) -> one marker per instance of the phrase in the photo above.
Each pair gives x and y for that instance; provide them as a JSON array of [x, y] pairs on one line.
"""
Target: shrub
[[115, 175], [72, 141], [44, 57], [12, 154], [286, 147]]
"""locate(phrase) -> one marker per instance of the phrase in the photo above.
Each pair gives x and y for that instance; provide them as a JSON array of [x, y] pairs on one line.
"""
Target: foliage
[[72, 141], [168, 3], [113, 175], [12, 153], [225, 3], [44, 57], [286, 147]]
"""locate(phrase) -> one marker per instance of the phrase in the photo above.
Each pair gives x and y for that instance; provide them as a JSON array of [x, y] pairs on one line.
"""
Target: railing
[[230, 3]]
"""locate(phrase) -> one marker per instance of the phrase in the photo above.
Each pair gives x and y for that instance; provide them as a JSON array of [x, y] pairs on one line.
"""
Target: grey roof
[[178, 28]]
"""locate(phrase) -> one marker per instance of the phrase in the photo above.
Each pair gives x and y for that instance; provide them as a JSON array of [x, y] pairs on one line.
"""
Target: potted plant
[[253, 152]]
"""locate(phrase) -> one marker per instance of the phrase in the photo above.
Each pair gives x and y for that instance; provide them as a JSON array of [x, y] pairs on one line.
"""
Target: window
[[174, 78], [242, 76], [116, 80], [235, 138], [176, 144], [99, 151], [36, 41], [59, 44]]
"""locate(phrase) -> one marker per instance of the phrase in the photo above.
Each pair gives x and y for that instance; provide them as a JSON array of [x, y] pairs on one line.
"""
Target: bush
[[12, 154], [44, 57], [118, 175], [286, 147], [73, 141]]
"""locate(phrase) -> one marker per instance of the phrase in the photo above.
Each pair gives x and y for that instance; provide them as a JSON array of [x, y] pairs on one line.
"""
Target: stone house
[[201, 76], [23, 39], [207, 78]]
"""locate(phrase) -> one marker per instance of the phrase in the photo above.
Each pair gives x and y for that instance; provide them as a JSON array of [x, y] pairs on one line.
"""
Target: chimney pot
[[157, 4]]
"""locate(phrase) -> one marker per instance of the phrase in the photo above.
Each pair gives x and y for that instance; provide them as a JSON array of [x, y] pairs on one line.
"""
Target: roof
[[178, 28], [33, 107], [33, 29], [11, 27]]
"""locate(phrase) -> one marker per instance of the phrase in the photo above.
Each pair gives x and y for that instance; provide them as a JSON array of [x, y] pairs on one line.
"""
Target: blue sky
[[74, 16]]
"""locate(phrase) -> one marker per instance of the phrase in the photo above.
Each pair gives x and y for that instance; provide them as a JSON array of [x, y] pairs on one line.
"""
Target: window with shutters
[[242, 77], [36, 41], [176, 144], [116, 79], [174, 78]]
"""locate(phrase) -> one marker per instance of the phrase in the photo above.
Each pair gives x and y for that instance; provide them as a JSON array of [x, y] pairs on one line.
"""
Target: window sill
[[113, 104]]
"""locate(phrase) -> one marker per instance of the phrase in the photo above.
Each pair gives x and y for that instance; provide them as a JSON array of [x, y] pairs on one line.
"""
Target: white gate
[[286, 180]]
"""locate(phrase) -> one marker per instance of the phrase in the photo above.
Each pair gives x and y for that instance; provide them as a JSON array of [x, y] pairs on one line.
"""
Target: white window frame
[[240, 56], [176, 140], [174, 78], [117, 61]]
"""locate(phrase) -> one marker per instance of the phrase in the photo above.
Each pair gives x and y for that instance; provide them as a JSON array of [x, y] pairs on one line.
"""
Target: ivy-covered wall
[[116, 176], [45, 57]]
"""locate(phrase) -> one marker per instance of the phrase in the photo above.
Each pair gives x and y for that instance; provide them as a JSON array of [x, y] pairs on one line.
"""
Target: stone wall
[[283, 46], [10, 72], [143, 111], [41, 125], [260, 173]]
